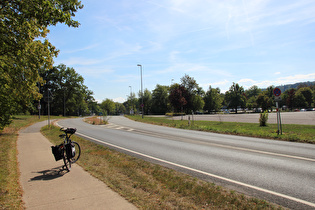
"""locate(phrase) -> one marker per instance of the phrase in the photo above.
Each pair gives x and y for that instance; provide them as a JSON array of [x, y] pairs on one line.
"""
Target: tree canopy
[[24, 48], [160, 99], [178, 97], [70, 95], [235, 97], [108, 106], [213, 100]]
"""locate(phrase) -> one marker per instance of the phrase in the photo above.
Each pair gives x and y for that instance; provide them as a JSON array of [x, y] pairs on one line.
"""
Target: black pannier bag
[[70, 150], [57, 151], [71, 130]]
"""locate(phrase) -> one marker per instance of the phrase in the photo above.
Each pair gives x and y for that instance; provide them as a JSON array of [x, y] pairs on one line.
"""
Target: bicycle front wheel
[[77, 151], [66, 161]]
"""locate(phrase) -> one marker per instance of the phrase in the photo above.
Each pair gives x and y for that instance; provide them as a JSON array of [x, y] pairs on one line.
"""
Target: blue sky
[[218, 42]]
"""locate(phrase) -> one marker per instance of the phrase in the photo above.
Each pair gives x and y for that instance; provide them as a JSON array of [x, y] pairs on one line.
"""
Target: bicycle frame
[[70, 150]]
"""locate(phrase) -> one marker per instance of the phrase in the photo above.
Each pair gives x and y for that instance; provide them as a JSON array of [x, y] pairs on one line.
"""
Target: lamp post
[[142, 105]]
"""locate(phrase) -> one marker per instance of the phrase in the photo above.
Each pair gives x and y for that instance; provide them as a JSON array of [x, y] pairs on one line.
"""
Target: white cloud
[[254, 42], [286, 80], [119, 100], [245, 17], [296, 78], [246, 81], [223, 85]]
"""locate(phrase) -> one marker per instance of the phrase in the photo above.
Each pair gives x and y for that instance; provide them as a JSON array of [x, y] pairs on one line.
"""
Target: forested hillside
[[295, 86]]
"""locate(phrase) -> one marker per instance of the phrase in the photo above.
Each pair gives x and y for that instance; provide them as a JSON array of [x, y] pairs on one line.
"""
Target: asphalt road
[[277, 171]]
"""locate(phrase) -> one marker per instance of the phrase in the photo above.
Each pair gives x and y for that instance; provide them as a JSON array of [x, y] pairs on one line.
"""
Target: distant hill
[[295, 86]]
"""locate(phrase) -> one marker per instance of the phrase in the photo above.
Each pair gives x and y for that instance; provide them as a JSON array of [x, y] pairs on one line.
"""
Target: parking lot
[[305, 118]]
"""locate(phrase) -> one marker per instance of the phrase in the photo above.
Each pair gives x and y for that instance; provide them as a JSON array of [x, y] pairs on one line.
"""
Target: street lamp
[[142, 105]]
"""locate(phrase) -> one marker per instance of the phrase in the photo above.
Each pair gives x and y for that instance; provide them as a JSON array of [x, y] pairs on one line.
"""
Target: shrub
[[263, 118]]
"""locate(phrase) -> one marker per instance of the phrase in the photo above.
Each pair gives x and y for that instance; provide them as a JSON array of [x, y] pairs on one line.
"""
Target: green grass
[[150, 186], [10, 189], [292, 132], [146, 185]]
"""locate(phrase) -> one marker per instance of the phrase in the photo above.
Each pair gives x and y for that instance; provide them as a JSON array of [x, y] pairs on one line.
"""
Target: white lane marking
[[263, 152], [206, 173], [117, 127], [114, 126]]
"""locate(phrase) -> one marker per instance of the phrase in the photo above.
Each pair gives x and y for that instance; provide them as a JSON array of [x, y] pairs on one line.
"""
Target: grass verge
[[150, 186], [95, 120], [295, 133], [10, 190]]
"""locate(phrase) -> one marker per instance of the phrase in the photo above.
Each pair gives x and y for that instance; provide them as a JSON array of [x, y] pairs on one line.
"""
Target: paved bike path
[[46, 186]]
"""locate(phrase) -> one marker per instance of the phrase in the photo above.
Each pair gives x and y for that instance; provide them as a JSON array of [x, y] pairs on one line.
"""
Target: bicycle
[[69, 150]]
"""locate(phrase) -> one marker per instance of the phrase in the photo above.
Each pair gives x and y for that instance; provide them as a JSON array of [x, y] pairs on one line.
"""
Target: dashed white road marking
[[116, 127], [119, 127]]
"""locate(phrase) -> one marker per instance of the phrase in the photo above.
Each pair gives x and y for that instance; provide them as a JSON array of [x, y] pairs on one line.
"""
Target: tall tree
[[263, 101], [269, 91], [190, 84], [235, 97], [289, 96], [251, 94], [194, 94], [213, 100], [300, 101], [253, 91], [197, 103], [147, 101], [132, 103], [108, 106], [177, 97], [160, 99], [70, 95], [120, 108], [307, 94], [24, 49], [266, 99]]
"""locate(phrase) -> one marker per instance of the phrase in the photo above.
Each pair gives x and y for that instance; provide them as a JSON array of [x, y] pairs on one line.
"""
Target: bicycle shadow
[[49, 174]]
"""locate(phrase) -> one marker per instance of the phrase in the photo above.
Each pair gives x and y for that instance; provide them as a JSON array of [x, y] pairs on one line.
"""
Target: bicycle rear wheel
[[66, 161], [77, 152]]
